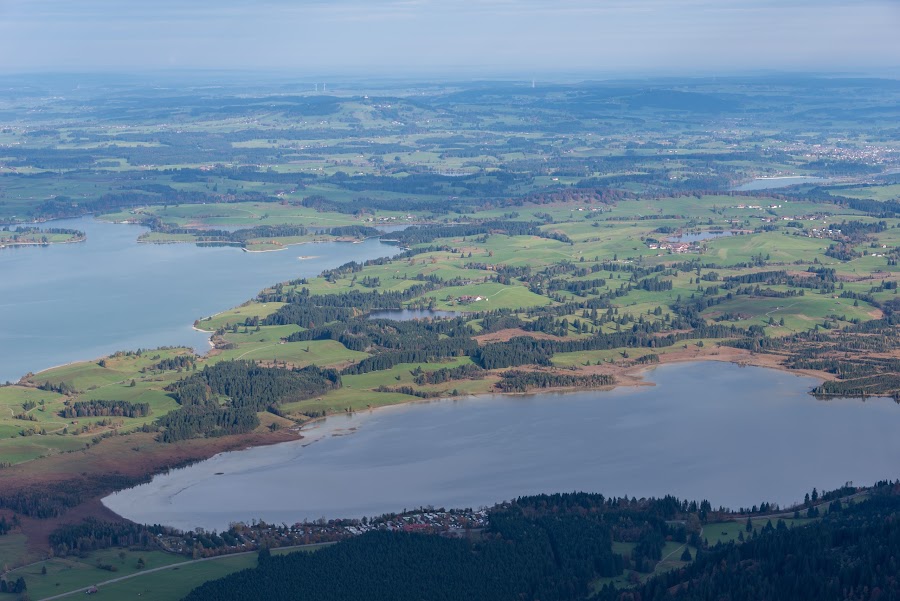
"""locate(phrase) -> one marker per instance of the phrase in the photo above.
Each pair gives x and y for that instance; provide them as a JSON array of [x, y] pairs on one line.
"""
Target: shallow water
[[699, 236], [73, 302], [733, 435]]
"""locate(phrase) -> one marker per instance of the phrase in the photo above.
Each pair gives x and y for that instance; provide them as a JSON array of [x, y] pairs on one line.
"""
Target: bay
[[71, 302], [736, 436]]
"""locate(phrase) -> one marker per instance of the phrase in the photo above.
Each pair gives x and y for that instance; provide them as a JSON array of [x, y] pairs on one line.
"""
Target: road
[[169, 567]]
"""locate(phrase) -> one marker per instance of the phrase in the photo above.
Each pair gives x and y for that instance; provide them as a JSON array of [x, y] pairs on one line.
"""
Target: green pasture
[[27, 434], [177, 577], [252, 214], [671, 560], [493, 296], [22, 449], [237, 315], [728, 532], [319, 352], [391, 280], [399, 375], [11, 549], [777, 246], [799, 312], [583, 358], [73, 573], [882, 193], [12, 403]]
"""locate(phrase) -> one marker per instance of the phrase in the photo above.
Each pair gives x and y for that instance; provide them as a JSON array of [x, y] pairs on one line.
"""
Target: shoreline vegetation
[[256, 238], [33, 236]]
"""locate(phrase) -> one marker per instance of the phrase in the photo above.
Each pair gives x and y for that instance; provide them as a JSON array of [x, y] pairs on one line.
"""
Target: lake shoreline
[[136, 456], [147, 458], [631, 376], [628, 377], [20, 244], [65, 336], [388, 424]]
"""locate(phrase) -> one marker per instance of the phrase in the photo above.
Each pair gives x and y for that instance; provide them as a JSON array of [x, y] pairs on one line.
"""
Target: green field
[[163, 577]]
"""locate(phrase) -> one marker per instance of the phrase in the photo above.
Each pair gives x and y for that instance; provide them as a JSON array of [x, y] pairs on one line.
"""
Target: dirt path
[[253, 350]]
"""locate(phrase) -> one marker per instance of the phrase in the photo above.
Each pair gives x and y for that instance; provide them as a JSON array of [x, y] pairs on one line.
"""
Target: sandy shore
[[209, 341], [730, 355], [267, 250]]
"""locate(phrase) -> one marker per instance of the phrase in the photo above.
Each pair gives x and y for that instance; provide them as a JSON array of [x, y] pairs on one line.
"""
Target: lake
[[72, 302], [768, 183], [733, 435], [698, 237]]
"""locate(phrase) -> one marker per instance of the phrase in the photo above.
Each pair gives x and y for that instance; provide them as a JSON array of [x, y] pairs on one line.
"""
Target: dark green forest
[[555, 547], [226, 397]]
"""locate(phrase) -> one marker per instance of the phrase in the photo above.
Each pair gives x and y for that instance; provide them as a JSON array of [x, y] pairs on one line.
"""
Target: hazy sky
[[395, 37]]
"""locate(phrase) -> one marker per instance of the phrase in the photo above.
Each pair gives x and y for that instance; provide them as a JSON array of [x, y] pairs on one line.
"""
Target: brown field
[[135, 455]]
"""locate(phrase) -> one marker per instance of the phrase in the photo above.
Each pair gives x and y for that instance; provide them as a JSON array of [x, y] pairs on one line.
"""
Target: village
[[239, 538]]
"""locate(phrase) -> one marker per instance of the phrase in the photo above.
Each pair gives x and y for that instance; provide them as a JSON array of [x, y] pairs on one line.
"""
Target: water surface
[[736, 436], [698, 237], [72, 302]]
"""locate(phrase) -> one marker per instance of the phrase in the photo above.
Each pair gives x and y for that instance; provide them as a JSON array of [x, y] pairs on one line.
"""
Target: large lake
[[72, 302], [734, 435]]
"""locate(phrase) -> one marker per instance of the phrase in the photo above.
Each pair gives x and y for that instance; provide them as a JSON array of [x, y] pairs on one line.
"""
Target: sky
[[479, 37]]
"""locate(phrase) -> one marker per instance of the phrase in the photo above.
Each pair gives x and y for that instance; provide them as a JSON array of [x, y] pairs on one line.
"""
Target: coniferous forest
[[556, 547]]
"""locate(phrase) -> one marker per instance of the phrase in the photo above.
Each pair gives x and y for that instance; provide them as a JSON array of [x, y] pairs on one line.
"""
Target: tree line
[[850, 553], [523, 381], [224, 398], [97, 408]]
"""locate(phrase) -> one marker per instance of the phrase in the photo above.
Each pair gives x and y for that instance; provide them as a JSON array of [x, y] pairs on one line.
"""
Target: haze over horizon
[[402, 37]]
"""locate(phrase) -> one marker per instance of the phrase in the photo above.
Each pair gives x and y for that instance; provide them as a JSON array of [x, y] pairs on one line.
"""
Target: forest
[[851, 553], [531, 550], [225, 398], [561, 547]]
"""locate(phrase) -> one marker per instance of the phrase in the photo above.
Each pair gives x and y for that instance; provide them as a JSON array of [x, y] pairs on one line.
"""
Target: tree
[[686, 556], [749, 527]]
